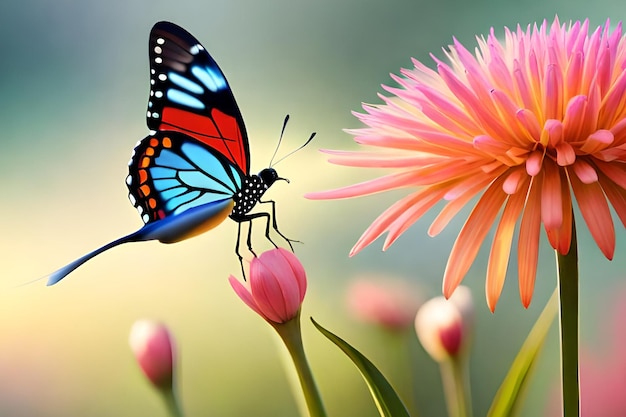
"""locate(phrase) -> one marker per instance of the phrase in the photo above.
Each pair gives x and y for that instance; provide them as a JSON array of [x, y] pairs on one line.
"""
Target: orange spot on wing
[[145, 162], [145, 190], [152, 203], [154, 142], [167, 143], [150, 151], [143, 176]]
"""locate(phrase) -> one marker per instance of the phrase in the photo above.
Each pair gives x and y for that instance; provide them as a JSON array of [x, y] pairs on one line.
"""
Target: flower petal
[[596, 213], [245, 295], [472, 235], [528, 242], [551, 201], [501, 247]]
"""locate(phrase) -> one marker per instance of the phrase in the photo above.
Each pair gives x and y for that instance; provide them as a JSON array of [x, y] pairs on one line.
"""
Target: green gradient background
[[74, 84]]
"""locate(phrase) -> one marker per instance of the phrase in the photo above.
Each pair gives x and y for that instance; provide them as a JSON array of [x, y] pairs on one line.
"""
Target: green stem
[[405, 364], [171, 402], [568, 299], [292, 338], [456, 386]]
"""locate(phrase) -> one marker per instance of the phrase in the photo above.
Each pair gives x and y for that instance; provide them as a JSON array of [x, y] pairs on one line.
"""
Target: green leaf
[[385, 398], [507, 401]]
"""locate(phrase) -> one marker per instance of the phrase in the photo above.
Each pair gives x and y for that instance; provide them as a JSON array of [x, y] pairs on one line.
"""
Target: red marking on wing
[[222, 133]]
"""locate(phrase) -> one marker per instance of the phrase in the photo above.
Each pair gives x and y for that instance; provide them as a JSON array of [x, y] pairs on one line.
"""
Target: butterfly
[[193, 169]]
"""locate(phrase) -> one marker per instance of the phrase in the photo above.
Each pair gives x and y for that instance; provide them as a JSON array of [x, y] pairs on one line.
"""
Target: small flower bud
[[277, 285], [151, 344], [444, 326]]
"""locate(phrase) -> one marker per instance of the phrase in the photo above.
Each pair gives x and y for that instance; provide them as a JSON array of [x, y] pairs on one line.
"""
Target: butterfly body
[[192, 171]]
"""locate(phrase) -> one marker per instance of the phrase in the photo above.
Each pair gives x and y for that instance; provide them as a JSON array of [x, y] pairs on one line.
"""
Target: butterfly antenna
[[280, 139], [297, 149]]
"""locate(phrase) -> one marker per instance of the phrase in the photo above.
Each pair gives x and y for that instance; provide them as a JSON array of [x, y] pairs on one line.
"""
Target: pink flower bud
[[390, 304], [276, 286], [444, 326], [152, 345]]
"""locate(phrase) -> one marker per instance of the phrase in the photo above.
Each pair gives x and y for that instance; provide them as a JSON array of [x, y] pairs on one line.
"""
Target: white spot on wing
[[157, 49], [162, 77], [158, 94], [158, 60], [160, 41]]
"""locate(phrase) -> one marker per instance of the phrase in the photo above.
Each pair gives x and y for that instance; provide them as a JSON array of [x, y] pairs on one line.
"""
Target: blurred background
[[73, 94]]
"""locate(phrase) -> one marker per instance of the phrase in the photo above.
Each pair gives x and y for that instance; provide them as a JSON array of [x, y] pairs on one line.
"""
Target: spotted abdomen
[[246, 198]]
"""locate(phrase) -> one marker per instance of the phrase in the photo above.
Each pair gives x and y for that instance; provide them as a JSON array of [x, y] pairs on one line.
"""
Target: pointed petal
[[501, 247], [596, 213], [551, 201], [528, 242], [454, 206], [377, 185], [472, 235], [616, 195], [386, 218], [245, 295], [411, 215], [560, 239]]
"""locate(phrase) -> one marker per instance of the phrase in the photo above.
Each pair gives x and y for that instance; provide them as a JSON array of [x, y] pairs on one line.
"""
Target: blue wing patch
[[184, 99], [210, 77], [185, 83], [173, 173]]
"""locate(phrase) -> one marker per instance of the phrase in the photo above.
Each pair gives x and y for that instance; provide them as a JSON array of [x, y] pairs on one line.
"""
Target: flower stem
[[292, 338], [171, 402], [568, 300], [456, 386]]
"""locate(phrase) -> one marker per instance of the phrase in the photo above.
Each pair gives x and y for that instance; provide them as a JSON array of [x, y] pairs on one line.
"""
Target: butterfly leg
[[275, 224], [249, 218], [243, 271]]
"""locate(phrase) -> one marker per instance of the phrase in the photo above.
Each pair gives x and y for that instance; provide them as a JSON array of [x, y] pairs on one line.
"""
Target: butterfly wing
[[172, 175], [189, 94]]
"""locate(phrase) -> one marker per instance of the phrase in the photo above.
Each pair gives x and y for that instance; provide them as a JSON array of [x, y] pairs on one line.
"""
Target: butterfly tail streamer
[[59, 274]]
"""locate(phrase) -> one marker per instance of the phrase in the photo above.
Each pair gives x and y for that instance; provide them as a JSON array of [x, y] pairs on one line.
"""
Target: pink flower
[[444, 327], [276, 287], [520, 124], [391, 304], [152, 345]]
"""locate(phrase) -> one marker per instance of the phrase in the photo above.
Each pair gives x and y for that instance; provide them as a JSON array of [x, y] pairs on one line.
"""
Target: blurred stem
[[456, 386], [292, 338], [171, 402], [568, 301], [405, 365]]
